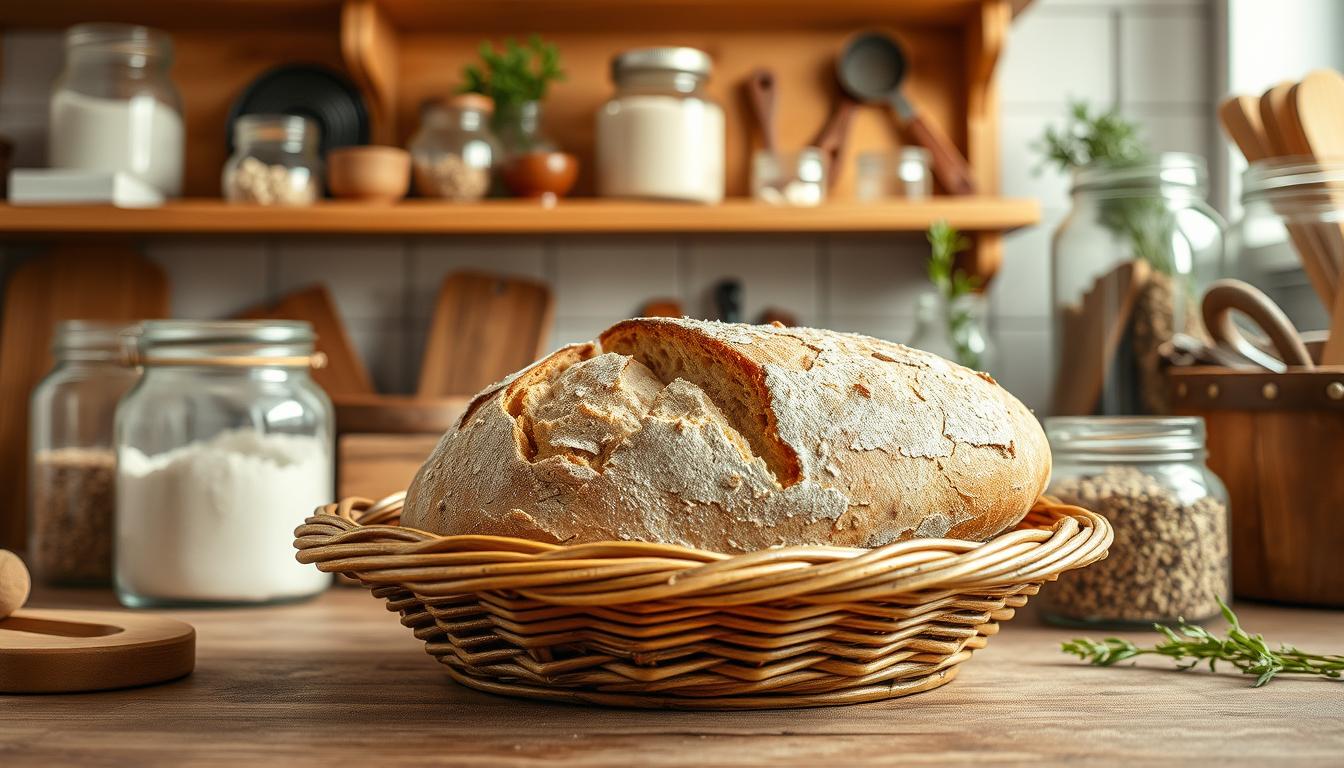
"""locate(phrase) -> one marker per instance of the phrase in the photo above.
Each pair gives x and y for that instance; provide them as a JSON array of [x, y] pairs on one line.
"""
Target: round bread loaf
[[733, 438]]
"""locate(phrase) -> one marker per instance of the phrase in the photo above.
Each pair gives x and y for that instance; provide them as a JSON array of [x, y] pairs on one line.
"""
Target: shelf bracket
[[985, 36], [369, 47]]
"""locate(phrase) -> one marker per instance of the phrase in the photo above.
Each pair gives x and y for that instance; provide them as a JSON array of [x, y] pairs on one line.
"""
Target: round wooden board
[[49, 651]]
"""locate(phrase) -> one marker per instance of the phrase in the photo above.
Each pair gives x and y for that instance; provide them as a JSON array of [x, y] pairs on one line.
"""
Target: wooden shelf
[[976, 214], [501, 15]]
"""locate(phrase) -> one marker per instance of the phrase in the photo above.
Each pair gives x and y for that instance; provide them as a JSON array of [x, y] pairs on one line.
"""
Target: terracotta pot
[[371, 174], [541, 174]]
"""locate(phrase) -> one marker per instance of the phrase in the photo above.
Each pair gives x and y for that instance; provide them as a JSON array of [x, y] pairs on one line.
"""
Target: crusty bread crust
[[734, 438]]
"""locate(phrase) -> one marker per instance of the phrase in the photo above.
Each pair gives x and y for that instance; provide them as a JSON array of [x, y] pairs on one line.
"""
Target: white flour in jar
[[661, 147], [215, 520], [141, 136]]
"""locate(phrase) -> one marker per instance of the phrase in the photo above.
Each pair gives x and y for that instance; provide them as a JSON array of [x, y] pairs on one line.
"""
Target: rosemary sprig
[[1248, 653]]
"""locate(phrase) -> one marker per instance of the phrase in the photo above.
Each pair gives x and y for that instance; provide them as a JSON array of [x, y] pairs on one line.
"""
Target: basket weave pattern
[[655, 625]]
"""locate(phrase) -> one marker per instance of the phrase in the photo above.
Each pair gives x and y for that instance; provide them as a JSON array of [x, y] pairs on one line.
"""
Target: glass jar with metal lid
[[275, 161], [454, 154], [1291, 210], [115, 108], [1127, 266], [223, 448], [71, 461], [1147, 476], [661, 136]]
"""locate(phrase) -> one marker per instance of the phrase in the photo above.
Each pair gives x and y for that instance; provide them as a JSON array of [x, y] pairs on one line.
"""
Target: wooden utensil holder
[[1275, 440]]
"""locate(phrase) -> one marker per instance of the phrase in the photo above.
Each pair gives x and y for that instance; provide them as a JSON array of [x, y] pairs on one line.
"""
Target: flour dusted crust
[[734, 438]]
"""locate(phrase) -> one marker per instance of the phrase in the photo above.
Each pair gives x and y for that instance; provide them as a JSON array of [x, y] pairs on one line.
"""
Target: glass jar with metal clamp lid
[[223, 449]]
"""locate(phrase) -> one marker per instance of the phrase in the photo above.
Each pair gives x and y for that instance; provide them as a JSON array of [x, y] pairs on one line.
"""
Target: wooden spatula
[[344, 374], [1315, 118], [1092, 332], [103, 282], [484, 328]]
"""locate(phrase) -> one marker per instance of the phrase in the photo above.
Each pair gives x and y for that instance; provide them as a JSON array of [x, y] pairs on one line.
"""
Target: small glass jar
[[1127, 267], [114, 107], [223, 448], [1146, 475], [71, 466], [660, 136], [902, 174], [789, 178], [1288, 205], [454, 154], [956, 330], [275, 161]]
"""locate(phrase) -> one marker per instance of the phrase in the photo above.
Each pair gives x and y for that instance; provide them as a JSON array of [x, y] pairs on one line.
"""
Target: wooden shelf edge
[[591, 216]]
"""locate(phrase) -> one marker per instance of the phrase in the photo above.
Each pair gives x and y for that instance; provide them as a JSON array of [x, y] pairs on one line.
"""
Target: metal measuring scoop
[[870, 69]]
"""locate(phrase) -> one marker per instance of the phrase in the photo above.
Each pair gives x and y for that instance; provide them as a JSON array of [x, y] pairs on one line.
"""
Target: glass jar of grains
[[1146, 475], [454, 155], [71, 462], [223, 449], [275, 161]]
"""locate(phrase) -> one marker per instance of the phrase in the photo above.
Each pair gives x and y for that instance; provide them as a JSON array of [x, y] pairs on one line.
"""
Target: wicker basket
[[653, 625]]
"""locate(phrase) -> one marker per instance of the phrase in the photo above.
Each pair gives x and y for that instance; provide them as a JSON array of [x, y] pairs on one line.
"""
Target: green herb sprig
[[945, 243], [1248, 653], [514, 75], [1108, 139]]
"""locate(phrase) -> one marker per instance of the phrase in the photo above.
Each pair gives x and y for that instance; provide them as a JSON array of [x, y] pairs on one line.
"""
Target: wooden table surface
[[338, 681]]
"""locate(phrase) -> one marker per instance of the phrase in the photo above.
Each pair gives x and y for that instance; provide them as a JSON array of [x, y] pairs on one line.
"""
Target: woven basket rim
[[359, 536]]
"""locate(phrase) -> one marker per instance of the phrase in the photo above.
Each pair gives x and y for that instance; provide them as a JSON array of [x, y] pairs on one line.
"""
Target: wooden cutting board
[[47, 651], [85, 282], [484, 328], [1092, 332], [344, 372]]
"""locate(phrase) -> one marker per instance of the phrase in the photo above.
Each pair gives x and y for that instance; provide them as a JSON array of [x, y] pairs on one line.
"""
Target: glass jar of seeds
[[71, 497], [1147, 476], [454, 155], [275, 161]]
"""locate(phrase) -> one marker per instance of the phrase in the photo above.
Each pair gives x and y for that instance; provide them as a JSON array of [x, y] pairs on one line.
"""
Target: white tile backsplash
[[611, 277], [777, 272], [1151, 56], [213, 279], [366, 275], [1164, 59], [1051, 57]]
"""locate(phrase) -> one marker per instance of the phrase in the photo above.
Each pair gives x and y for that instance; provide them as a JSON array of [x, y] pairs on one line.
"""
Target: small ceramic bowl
[[371, 174], [541, 174]]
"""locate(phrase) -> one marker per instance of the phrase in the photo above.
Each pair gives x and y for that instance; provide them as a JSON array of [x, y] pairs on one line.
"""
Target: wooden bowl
[[541, 174], [371, 174]]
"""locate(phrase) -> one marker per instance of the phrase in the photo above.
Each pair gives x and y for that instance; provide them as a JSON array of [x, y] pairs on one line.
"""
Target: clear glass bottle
[[1288, 205], [661, 136], [223, 448], [115, 108], [71, 466], [521, 131], [275, 161], [900, 174], [1127, 267], [957, 330], [1147, 476], [454, 154]]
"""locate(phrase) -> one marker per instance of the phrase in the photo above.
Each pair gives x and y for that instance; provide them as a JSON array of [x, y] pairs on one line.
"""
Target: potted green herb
[[950, 320], [517, 79]]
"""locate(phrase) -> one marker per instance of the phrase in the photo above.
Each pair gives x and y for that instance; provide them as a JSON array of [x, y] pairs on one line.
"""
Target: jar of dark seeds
[[1170, 559], [72, 466]]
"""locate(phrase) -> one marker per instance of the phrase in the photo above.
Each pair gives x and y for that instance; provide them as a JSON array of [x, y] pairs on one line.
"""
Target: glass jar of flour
[[661, 136], [114, 107], [223, 448]]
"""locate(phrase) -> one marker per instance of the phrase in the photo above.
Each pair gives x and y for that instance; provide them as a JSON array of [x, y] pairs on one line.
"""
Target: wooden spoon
[[1314, 119]]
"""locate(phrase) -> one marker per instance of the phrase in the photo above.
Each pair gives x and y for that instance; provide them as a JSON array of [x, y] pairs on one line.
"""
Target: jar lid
[[279, 128], [691, 61], [227, 342], [1167, 170], [130, 39], [1131, 437], [475, 102], [92, 339]]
